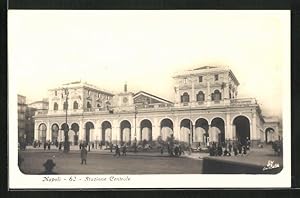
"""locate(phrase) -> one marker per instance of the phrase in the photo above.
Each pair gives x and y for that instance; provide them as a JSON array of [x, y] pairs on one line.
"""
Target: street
[[106, 163]]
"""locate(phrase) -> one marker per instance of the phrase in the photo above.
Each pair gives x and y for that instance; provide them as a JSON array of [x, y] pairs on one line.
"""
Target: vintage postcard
[[149, 99]]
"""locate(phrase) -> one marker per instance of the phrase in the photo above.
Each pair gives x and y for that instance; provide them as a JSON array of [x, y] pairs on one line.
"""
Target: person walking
[[117, 151], [49, 145], [124, 150], [83, 155], [45, 145]]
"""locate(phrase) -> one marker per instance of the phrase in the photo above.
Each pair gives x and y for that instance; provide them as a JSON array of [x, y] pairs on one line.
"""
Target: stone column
[[48, 134], [155, 130], [253, 131], [228, 128], [36, 131], [81, 131], [209, 133], [194, 131]]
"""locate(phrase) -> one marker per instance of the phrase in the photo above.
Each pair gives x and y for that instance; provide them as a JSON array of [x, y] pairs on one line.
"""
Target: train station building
[[206, 108]]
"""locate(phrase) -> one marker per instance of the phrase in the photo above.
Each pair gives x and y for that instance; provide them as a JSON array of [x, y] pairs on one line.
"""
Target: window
[[55, 92], [200, 96], [98, 105], [185, 80], [88, 105], [216, 77], [216, 96], [185, 97], [200, 78], [75, 105], [65, 105], [55, 108]]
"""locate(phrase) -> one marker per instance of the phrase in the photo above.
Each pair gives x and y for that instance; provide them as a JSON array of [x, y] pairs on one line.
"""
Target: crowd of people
[[228, 149]]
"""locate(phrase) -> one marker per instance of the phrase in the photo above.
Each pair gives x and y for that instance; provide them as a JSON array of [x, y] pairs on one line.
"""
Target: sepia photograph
[[149, 98]]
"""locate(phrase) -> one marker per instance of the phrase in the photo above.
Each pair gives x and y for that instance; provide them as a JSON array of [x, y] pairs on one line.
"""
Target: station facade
[[206, 109]]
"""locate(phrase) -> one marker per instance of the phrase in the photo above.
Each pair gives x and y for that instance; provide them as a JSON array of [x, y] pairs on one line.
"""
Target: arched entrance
[[125, 128], [146, 131], [42, 130], [186, 131], [269, 134], [201, 131], [54, 129], [217, 133], [89, 126], [75, 128], [106, 133], [242, 129], [166, 128]]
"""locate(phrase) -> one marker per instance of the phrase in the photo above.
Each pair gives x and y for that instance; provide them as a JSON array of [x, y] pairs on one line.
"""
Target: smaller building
[[21, 118], [34, 108]]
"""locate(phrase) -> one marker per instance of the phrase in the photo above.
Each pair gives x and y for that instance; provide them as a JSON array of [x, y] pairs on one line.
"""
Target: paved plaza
[[104, 162]]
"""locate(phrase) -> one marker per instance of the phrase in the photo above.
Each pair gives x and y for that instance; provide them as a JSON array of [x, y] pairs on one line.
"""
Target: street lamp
[[66, 129]]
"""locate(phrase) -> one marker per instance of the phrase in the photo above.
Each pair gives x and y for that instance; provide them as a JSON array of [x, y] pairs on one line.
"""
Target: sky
[[146, 48]]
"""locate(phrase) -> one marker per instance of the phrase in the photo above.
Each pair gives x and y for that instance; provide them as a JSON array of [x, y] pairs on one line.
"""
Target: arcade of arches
[[201, 131]]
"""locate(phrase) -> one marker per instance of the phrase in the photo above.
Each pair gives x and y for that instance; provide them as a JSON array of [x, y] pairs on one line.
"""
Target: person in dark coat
[[49, 145], [60, 145], [124, 150], [244, 150], [45, 145], [239, 148], [235, 150], [83, 155], [49, 165], [230, 147], [117, 151], [111, 147]]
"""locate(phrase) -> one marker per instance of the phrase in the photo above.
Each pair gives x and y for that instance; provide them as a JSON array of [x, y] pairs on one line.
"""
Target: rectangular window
[[216, 77], [200, 78], [185, 80]]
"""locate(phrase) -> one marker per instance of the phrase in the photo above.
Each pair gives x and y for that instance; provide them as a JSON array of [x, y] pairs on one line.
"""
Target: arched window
[[65, 105], [88, 105], [200, 96], [75, 105], [185, 97], [55, 108], [216, 95]]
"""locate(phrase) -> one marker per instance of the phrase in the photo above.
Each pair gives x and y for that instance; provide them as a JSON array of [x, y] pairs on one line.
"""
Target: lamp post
[[66, 129]]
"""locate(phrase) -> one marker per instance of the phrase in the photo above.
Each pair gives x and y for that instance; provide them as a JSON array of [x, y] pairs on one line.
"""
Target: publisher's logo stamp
[[271, 165]]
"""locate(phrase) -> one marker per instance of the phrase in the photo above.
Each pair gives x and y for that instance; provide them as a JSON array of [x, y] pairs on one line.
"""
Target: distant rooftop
[[82, 84]]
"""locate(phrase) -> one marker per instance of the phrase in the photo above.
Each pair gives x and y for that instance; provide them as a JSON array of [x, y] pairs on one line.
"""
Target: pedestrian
[[220, 150], [117, 151], [60, 145], [111, 147], [93, 145], [248, 143], [161, 150], [135, 145], [239, 148], [244, 150], [124, 150], [49, 165], [49, 145], [83, 155], [45, 145], [235, 150], [89, 147], [230, 147]]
